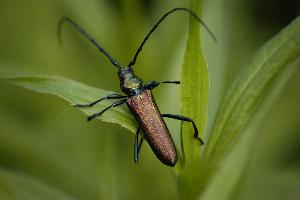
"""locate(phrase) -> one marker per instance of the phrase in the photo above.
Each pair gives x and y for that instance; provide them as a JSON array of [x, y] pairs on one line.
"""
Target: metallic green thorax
[[129, 82]]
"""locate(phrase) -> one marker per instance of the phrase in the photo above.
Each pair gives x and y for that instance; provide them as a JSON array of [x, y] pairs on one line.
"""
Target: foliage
[[220, 167]]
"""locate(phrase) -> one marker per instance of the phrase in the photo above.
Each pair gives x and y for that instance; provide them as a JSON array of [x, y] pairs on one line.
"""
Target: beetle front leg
[[111, 96], [115, 104], [137, 145], [153, 84], [187, 119]]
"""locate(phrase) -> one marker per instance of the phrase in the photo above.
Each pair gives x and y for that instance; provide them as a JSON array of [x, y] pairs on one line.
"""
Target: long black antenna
[[86, 35], [132, 62]]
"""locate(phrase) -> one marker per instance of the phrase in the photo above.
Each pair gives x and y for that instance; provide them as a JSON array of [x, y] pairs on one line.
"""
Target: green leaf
[[15, 186], [194, 90], [194, 97], [75, 93], [235, 167], [242, 98]]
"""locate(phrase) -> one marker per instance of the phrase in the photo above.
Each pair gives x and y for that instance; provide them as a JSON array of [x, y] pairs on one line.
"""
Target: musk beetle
[[140, 100]]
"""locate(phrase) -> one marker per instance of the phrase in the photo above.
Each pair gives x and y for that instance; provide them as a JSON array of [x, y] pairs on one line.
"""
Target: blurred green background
[[45, 138]]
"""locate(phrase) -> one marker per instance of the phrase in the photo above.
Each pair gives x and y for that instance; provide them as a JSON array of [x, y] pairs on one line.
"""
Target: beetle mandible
[[140, 100]]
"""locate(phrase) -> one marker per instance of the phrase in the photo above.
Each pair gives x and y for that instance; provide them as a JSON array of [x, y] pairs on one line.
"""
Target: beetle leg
[[137, 145], [174, 82], [115, 104], [187, 119], [153, 84], [111, 96]]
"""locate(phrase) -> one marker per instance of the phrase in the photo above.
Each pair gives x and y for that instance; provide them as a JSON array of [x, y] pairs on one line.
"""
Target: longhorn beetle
[[139, 99]]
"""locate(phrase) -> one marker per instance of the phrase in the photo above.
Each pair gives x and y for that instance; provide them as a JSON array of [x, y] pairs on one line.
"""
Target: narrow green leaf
[[75, 93], [236, 164], [194, 96], [241, 99], [15, 186], [194, 89]]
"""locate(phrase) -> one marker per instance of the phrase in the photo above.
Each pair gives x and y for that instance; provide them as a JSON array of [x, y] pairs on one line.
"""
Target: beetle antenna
[[132, 62], [87, 36]]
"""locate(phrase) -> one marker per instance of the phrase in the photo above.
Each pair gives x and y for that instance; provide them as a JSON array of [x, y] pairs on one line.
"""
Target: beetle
[[140, 101]]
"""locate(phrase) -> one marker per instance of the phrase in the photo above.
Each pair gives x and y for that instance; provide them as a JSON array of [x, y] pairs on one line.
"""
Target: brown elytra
[[154, 128]]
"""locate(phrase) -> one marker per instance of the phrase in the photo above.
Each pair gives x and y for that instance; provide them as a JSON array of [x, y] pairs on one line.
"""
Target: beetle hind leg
[[187, 119]]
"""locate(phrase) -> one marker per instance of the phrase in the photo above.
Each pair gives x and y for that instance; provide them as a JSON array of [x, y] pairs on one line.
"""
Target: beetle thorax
[[129, 82]]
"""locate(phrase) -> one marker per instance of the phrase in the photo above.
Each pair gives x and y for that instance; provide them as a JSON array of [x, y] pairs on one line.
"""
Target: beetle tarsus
[[187, 119], [137, 145]]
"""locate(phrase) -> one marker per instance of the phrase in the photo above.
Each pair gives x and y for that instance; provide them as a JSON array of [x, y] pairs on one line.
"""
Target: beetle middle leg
[[137, 145], [115, 104], [111, 96], [153, 84], [187, 119]]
